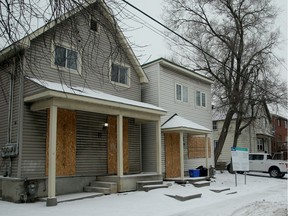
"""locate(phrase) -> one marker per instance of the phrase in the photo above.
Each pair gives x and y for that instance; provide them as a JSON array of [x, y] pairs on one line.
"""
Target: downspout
[[10, 105]]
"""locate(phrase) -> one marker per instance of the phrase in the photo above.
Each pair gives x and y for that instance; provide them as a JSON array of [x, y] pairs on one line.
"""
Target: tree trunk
[[223, 134]]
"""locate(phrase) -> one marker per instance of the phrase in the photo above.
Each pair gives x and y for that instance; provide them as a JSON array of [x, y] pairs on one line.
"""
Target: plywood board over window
[[66, 143], [172, 153], [112, 145], [196, 147]]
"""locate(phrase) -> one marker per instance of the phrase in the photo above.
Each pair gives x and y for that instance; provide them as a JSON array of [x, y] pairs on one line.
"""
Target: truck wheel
[[281, 175], [274, 172], [230, 169]]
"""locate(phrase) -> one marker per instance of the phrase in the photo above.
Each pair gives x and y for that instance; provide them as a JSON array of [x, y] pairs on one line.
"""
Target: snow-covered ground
[[260, 196]]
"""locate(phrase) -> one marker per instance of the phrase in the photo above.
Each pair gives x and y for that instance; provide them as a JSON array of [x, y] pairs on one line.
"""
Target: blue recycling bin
[[194, 172]]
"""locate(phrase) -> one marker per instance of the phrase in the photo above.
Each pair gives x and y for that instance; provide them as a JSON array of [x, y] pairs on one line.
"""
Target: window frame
[[93, 19], [127, 85], [202, 103], [67, 47], [182, 87], [260, 144], [214, 125]]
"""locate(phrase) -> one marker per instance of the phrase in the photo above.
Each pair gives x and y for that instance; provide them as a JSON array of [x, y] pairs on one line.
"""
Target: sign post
[[240, 161]]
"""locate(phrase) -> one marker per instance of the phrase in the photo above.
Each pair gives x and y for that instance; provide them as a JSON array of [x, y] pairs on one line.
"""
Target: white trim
[[70, 47], [201, 101]]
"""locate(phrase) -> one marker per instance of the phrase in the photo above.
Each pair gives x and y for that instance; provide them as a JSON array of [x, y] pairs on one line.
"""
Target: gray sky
[[156, 45]]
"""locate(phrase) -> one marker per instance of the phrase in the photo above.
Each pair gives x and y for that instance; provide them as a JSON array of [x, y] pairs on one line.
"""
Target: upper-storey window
[[181, 93], [200, 99], [94, 25], [214, 125], [120, 74], [66, 58]]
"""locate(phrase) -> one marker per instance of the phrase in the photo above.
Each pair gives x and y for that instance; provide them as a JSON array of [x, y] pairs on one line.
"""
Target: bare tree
[[232, 41]]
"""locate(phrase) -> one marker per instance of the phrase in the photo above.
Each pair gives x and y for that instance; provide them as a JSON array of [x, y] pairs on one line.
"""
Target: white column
[[181, 155], [119, 145], [158, 148], [207, 155], [52, 200]]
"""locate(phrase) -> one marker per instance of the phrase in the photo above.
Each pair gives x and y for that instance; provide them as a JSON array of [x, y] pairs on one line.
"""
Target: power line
[[195, 46]]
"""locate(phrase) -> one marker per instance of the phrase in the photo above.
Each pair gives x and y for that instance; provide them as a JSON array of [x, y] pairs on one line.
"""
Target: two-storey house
[[256, 137], [71, 110], [186, 128]]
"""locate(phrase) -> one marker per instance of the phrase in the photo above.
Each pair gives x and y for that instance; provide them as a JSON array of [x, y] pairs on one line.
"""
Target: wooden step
[[141, 184], [111, 185], [147, 188], [103, 190]]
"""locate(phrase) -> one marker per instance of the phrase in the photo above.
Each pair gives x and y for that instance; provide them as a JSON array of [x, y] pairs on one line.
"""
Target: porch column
[[52, 200], [158, 148], [207, 154], [119, 145], [181, 156]]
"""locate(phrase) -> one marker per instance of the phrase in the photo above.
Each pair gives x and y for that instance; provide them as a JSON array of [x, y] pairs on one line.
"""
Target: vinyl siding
[[167, 100], [97, 52]]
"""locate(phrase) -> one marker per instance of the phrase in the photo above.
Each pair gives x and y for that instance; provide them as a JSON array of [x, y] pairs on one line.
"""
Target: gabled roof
[[24, 43], [180, 69], [178, 123]]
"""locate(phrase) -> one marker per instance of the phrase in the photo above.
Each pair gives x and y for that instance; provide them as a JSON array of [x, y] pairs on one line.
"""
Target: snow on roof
[[92, 93], [278, 110], [178, 122]]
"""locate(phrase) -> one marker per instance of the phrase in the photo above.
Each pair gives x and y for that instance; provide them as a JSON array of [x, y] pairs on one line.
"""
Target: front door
[[112, 145], [172, 153]]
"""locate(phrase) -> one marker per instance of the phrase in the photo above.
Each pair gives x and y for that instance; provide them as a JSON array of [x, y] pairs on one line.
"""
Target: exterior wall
[[280, 139], [98, 50], [161, 91], [10, 98]]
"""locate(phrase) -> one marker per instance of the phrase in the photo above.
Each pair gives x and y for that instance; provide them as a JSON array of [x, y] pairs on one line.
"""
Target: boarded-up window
[[66, 143], [196, 147]]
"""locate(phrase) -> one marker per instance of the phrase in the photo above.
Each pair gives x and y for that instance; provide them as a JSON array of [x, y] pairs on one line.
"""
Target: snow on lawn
[[261, 195]]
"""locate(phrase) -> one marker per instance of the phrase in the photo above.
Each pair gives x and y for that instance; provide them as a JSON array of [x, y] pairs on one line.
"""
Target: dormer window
[[120, 74]]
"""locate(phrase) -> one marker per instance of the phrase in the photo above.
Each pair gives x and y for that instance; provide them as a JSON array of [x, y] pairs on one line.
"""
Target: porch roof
[[82, 98], [178, 123]]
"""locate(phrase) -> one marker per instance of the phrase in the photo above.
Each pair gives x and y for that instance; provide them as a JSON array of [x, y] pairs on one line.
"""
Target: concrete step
[[111, 185], [196, 179], [201, 183], [185, 197], [147, 188], [103, 190], [141, 184]]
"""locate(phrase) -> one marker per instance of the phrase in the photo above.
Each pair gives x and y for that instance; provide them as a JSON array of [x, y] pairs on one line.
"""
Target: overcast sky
[[156, 45]]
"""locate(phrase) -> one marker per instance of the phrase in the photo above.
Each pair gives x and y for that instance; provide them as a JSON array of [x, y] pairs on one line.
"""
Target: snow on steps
[[201, 183]]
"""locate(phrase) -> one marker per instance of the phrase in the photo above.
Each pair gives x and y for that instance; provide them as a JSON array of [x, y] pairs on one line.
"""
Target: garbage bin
[[203, 171], [194, 172]]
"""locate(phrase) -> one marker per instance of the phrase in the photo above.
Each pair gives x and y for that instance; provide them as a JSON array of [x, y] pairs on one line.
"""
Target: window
[[285, 123], [119, 74], [215, 143], [66, 58], [94, 26], [214, 125], [279, 122], [181, 93], [200, 99], [260, 144], [256, 157]]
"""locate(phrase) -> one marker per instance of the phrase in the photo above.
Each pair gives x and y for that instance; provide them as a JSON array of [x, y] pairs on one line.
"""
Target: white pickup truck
[[262, 162]]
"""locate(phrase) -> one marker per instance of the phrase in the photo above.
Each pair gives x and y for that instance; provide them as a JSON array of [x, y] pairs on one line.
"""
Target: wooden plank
[[172, 152], [196, 147], [66, 143]]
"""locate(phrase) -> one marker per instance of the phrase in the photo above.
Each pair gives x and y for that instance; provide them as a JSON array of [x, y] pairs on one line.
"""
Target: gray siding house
[[187, 126], [256, 137], [71, 110]]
